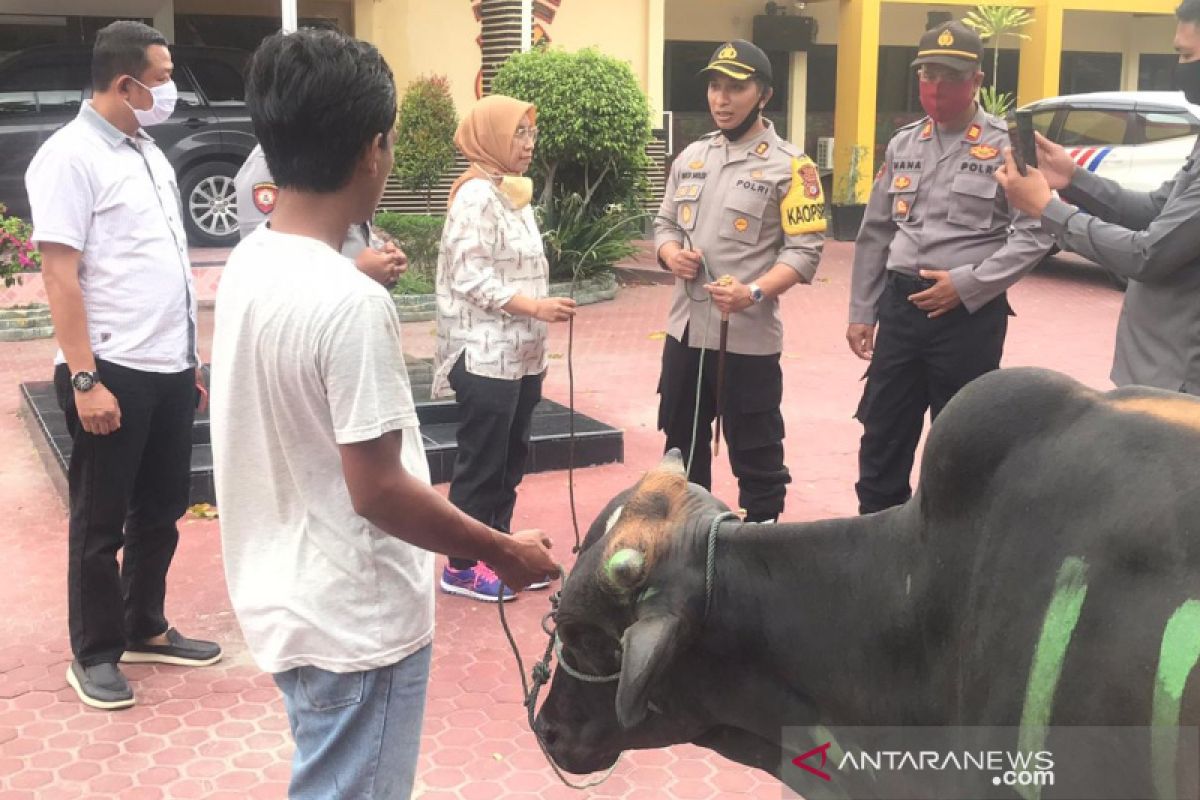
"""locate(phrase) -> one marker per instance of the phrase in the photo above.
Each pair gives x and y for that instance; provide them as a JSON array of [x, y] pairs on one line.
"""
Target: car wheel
[[210, 204]]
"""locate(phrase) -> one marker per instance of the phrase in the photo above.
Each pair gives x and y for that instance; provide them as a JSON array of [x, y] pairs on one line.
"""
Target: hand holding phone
[[1020, 137]]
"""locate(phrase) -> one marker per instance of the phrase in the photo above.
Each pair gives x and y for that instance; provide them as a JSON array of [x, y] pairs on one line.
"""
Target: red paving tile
[[222, 732]]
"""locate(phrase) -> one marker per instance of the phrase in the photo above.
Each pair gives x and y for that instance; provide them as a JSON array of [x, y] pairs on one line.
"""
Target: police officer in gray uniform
[[1153, 238], [937, 250], [742, 221], [256, 192]]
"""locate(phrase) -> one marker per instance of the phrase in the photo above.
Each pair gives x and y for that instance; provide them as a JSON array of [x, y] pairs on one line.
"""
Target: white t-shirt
[[114, 199], [307, 356]]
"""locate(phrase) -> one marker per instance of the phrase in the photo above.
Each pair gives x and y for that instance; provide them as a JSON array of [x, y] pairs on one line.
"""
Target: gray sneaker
[[100, 685], [179, 650]]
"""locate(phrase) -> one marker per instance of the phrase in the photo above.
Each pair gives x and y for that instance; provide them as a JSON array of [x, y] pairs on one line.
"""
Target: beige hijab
[[485, 137]]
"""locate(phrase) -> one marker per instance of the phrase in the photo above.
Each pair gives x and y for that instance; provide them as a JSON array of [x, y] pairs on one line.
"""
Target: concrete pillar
[[854, 118], [1131, 57], [289, 16], [1041, 53], [164, 19], [797, 99], [655, 66]]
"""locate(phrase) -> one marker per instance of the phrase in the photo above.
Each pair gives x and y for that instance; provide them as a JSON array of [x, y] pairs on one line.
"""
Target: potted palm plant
[[848, 203]]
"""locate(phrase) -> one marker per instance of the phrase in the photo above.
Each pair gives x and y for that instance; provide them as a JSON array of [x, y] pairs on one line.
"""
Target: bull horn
[[673, 462], [625, 568]]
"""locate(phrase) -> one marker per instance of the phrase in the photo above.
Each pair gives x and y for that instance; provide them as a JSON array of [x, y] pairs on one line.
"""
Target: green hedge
[[418, 235]]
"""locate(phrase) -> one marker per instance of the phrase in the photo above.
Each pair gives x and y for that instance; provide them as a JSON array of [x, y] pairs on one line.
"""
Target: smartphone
[[1020, 137]]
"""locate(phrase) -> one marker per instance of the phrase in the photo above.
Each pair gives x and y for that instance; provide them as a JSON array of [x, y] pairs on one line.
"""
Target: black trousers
[[752, 423], [919, 363], [493, 445], [128, 488]]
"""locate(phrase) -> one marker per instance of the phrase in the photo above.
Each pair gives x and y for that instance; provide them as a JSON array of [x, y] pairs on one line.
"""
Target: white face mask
[[164, 96]]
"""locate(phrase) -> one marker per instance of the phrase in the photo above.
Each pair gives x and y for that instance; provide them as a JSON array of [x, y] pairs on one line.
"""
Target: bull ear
[[650, 645]]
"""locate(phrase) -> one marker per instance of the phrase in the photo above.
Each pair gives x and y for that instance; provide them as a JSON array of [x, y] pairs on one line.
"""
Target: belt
[[908, 283]]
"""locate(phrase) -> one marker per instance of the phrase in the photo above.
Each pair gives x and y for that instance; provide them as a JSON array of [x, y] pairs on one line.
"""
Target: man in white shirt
[[108, 221], [327, 518]]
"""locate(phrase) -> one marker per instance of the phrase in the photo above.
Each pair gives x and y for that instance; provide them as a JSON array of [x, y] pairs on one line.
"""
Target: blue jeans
[[357, 733]]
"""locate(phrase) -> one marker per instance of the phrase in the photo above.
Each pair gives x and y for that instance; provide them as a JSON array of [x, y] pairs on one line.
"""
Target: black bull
[[927, 614]]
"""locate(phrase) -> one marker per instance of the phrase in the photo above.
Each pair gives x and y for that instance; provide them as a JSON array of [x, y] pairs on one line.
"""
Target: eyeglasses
[[526, 133], [939, 74]]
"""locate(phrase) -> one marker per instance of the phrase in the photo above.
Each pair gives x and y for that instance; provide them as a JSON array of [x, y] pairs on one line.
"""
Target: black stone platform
[[595, 442]]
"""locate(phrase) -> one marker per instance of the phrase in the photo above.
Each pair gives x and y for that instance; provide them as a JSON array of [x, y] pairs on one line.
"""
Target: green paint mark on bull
[[1176, 660], [1058, 626]]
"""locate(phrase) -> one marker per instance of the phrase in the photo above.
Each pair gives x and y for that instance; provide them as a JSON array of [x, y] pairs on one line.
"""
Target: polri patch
[[984, 152], [265, 194], [901, 183]]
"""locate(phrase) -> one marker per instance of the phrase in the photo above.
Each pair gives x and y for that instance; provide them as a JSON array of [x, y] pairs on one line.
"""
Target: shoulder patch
[[803, 207], [761, 149], [265, 195]]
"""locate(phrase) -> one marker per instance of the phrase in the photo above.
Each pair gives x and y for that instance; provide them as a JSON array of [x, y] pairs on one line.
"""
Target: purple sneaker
[[477, 583]]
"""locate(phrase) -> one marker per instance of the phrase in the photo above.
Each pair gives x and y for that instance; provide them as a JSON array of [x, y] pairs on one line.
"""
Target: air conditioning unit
[[825, 152]]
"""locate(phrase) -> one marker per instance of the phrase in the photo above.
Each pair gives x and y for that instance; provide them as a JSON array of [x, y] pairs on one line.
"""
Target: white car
[[1139, 139]]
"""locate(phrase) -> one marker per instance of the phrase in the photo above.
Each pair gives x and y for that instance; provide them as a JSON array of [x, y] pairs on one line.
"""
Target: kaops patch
[[685, 214], [803, 208], [265, 194], [901, 209]]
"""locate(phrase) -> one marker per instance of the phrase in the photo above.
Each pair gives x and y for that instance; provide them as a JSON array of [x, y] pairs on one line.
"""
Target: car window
[[1042, 120], [188, 98], [1092, 126], [222, 84], [42, 87], [1161, 126]]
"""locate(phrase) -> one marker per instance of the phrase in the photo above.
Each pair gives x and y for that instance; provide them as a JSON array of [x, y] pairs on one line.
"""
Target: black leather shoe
[[179, 650], [100, 685]]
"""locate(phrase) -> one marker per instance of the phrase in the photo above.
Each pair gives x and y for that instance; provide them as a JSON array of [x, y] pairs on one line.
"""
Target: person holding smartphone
[[938, 248], [1152, 238]]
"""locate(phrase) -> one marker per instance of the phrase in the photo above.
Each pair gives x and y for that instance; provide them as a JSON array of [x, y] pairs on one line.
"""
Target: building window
[[1090, 72], [1156, 72]]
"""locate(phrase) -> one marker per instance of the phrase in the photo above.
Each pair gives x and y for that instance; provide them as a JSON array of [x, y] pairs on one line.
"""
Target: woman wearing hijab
[[492, 282]]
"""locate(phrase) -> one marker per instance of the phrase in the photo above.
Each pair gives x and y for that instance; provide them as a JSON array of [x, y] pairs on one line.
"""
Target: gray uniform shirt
[[254, 178], [1153, 238], [728, 200], [940, 208]]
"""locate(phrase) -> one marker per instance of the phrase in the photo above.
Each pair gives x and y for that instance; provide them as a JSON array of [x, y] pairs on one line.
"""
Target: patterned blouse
[[488, 254]]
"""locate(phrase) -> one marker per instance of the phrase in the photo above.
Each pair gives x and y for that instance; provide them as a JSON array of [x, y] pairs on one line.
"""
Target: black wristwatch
[[85, 381]]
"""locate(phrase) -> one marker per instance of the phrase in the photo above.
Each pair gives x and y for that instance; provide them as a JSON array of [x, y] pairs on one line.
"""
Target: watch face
[[83, 381]]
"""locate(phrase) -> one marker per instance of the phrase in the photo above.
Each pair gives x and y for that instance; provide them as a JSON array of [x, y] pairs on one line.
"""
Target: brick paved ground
[[220, 732]]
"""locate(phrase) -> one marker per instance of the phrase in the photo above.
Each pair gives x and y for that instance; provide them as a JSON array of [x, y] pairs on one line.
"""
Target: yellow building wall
[[424, 37]]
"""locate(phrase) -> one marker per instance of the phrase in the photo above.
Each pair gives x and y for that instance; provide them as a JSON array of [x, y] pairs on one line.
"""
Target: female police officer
[[746, 205]]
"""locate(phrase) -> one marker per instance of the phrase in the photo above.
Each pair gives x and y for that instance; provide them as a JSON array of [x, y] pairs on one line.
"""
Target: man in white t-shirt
[[108, 222], [328, 521]]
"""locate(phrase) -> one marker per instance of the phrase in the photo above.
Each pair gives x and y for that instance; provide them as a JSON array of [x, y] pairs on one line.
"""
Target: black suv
[[206, 139]]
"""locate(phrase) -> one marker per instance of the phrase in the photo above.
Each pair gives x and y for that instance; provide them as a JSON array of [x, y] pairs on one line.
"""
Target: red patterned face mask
[[947, 100]]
